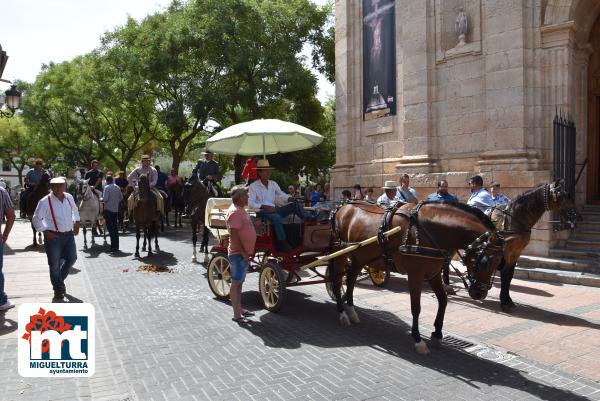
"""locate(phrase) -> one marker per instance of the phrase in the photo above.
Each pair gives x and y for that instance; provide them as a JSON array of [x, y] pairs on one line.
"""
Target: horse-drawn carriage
[[303, 265]]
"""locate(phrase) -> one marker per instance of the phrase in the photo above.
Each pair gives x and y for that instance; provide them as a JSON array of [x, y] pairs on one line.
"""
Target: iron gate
[[564, 156]]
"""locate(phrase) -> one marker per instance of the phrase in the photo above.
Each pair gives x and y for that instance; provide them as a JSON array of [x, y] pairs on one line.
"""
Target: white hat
[[263, 164], [58, 180], [389, 185]]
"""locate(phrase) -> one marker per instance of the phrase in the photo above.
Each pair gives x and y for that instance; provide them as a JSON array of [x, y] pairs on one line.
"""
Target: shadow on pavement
[[6, 325], [527, 290], [160, 258], [28, 248], [304, 321], [530, 312]]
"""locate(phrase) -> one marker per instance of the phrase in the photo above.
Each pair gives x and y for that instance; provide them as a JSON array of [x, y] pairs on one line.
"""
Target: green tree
[[17, 145]]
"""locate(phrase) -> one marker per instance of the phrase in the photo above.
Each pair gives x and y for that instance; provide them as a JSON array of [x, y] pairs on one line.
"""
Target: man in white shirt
[[480, 198], [389, 194], [56, 215], [263, 194]]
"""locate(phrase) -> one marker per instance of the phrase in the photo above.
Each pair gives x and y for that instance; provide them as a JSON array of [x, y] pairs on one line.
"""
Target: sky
[[35, 32]]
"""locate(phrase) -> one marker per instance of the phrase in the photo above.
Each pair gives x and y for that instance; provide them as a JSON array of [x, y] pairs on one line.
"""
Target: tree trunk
[[20, 175], [176, 161], [238, 164]]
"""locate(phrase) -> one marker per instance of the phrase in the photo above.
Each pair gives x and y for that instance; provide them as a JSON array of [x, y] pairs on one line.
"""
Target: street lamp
[[12, 99]]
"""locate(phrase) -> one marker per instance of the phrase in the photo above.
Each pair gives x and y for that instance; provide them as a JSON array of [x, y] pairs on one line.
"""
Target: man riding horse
[[133, 179], [208, 170], [32, 179]]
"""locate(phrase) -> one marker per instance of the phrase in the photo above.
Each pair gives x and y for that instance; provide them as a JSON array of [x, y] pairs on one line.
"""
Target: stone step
[[583, 244], [564, 264], [558, 276], [574, 254], [586, 234], [588, 225], [591, 207]]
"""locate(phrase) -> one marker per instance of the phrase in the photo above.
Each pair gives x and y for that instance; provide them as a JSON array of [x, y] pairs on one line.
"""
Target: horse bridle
[[85, 196], [478, 248]]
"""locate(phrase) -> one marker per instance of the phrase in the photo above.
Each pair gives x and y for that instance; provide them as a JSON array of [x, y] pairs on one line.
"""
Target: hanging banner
[[379, 58]]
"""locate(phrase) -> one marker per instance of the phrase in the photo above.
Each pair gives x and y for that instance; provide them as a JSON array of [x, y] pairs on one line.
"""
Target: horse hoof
[[508, 308], [351, 312], [436, 341], [143, 249], [150, 254], [137, 254], [194, 259], [421, 348], [344, 319]]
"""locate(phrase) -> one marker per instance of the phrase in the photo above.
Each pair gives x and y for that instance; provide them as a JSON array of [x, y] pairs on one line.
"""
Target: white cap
[[58, 180]]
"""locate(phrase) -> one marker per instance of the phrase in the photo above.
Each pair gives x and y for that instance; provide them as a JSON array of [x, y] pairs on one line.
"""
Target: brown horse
[[146, 216], [430, 234], [517, 221], [175, 191], [41, 190], [196, 195]]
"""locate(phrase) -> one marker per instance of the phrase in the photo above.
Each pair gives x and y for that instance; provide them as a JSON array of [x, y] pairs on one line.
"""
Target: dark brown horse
[[176, 203], [430, 234], [517, 221], [146, 216], [196, 195], [41, 190]]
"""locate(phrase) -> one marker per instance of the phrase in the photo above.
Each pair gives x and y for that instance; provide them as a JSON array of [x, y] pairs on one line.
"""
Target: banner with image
[[379, 58]]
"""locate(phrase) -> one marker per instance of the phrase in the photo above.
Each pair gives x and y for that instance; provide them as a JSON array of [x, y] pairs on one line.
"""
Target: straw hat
[[145, 157], [495, 184], [389, 185], [263, 164], [58, 180]]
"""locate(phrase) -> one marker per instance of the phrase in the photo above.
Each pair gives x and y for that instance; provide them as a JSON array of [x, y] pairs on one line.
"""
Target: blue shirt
[[34, 176], [448, 197], [161, 180], [112, 197], [401, 195], [481, 200], [501, 200]]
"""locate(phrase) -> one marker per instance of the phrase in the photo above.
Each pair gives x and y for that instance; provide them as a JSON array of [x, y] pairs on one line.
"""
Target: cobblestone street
[[163, 336]]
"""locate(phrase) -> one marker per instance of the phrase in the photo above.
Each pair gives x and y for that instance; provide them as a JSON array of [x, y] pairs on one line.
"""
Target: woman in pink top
[[242, 238]]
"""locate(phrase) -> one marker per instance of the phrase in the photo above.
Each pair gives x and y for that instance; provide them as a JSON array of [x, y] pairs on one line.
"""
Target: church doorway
[[593, 168]]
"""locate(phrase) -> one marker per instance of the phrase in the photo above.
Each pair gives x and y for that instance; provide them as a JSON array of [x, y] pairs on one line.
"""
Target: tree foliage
[[164, 81], [17, 145]]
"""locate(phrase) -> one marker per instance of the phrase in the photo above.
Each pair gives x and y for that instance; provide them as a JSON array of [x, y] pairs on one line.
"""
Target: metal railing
[[564, 164]]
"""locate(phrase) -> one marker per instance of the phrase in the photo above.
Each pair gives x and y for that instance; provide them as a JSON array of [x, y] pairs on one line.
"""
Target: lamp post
[[12, 99]]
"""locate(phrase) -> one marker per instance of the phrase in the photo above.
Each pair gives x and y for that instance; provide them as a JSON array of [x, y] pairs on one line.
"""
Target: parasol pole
[[263, 141]]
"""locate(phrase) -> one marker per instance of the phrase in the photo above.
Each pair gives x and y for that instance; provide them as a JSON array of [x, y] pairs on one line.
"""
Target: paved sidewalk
[[164, 337]]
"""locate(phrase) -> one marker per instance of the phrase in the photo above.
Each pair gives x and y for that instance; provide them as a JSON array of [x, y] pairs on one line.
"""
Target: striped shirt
[[5, 204]]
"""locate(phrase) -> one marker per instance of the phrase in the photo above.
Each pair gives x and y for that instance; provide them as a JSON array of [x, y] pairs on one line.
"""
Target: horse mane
[[485, 219], [527, 198]]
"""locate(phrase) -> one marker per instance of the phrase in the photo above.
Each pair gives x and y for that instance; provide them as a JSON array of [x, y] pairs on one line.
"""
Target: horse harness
[[474, 250]]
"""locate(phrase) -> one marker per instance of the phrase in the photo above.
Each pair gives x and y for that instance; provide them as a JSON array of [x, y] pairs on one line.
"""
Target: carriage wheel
[[379, 278], [271, 284], [329, 286], [219, 276]]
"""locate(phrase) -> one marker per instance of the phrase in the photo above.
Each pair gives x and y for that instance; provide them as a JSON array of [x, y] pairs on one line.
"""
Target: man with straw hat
[[152, 174], [263, 193], [56, 215], [389, 194]]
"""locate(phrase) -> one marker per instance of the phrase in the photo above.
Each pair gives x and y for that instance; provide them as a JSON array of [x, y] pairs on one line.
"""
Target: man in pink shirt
[[242, 238], [173, 178]]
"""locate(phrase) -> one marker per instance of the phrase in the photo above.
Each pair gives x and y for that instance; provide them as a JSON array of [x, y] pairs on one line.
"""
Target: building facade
[[477, 86]]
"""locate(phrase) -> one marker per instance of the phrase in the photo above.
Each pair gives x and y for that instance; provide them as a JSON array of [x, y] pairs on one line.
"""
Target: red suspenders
[[52, 210]]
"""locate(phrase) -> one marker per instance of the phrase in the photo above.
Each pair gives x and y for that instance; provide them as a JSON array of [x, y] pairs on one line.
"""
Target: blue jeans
[[113, 228], [62, 254], [277, 218], [238, 268], [3, 297]]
